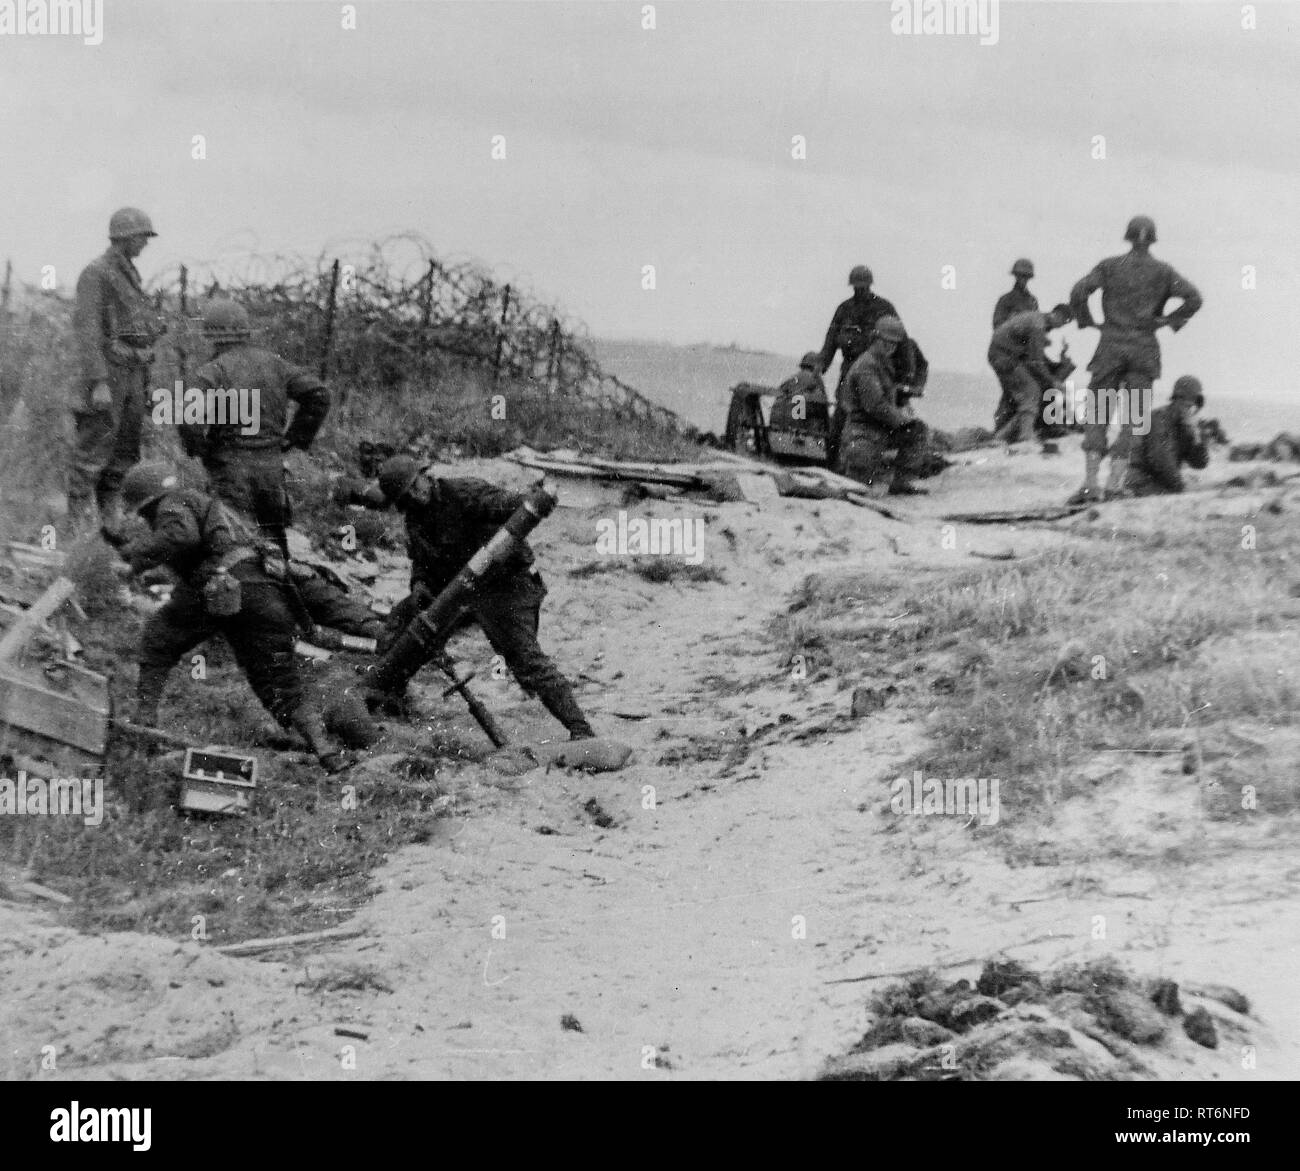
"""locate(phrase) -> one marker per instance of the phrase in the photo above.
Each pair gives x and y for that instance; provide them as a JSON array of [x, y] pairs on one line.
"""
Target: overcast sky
[[672, 147]]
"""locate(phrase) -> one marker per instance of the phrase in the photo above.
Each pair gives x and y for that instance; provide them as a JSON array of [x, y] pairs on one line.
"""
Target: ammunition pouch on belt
[[222, 594]]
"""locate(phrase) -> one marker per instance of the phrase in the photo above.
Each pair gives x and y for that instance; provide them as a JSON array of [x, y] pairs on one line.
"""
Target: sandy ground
[[688, 917]]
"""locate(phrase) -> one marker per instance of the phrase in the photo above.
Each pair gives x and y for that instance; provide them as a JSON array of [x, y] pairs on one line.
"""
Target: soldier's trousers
[[107, 443], [1023, 397], [330, 606], [1139, 483], [862, 452], [261, 636], [509, 616], [1132, 367], [252, 483]]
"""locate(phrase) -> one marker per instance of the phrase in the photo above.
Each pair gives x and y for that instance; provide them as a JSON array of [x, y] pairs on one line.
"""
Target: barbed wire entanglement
[[399, 314]]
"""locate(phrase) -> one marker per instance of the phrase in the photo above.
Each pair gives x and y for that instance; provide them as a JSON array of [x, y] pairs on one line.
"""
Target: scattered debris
[[571, 1023], [1094, 1022]]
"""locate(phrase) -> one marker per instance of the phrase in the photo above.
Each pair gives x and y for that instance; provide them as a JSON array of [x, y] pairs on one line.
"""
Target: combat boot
[[1115, 482], [308, 724], [558, 699], [1089, 492]]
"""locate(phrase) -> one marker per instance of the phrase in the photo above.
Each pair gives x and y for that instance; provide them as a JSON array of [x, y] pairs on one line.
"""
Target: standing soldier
[[247, 471], [1018, 356], [1173, 440], [226, 588], [850, 333], [1134, 290], [1017, 299], [116, 327], [875, 421], [447, 522]]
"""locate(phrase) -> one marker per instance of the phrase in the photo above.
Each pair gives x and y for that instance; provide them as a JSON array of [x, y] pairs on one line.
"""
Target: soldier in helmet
[[447, 522], [246, 471], [801, 402], [1135, 289], [226, 587], [875, 419], [1017, 299], [116, 327], [850, 333], [1018, 356], [1173, 440]]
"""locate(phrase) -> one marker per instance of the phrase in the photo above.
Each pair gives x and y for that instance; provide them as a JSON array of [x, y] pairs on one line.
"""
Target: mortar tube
[[428, 632]]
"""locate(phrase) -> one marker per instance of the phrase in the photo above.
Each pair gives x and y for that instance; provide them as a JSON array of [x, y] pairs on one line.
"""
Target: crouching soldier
[[875, 421], [447, 522], [1157, 457], [226, 587], [1018, 355]]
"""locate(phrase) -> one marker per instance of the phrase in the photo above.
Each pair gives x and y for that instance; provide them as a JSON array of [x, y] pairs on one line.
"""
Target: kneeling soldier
[[1157, 456], [447, 522], [226, 587], [875, 421]]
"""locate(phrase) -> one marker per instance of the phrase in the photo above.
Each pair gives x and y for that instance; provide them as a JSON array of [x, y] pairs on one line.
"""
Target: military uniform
[[1157, 456], [1134, 289], [849, 334], [115, 326], [1018, 356], [1015, 300], [460, 518], [875, 422], [851, 328], [247, 471], [808, 385], [192, 535]]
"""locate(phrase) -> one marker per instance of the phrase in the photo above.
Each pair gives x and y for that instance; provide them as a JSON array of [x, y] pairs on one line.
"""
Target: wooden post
[[426, 309], [554, 358], [182, 349], [4, 291], [330, 305], [501, 334]]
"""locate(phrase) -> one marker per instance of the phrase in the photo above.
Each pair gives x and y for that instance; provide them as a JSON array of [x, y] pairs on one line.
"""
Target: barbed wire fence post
[[182, 337], [501, 335], [331, 306]]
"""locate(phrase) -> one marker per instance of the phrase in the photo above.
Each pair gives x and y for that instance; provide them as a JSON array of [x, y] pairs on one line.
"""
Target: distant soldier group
[[881, 369]]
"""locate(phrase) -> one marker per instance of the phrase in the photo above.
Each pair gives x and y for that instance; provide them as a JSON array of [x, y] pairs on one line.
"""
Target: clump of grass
[[656, 570], [1182, 633], [660, 570]]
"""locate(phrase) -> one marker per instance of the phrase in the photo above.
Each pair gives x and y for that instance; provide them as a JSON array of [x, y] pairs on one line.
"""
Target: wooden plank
[[44, 607], [756, 488], [1011, 516], [34, 557], [253, 946], [47, 713]]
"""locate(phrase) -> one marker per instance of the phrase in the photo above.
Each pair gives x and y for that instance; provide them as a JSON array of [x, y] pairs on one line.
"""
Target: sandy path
[[697, 938]]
